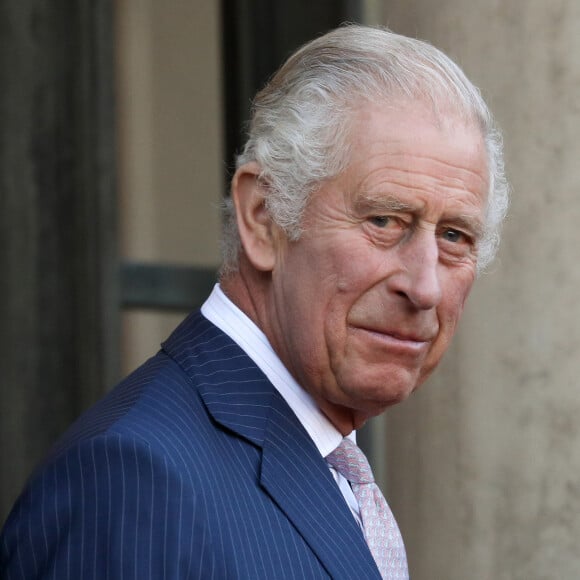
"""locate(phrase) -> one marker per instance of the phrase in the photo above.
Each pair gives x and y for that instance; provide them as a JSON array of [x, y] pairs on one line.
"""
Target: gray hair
[[299, 131]]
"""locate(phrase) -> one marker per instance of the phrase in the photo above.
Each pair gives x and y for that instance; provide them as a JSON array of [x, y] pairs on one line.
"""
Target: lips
[[401, 335], [384, 344]]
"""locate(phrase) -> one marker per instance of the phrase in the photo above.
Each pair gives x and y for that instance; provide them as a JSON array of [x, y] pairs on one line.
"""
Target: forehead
[[408, 149]]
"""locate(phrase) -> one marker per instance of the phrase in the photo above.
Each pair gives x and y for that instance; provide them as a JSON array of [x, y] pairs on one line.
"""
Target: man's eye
[[380, 221], [453, 236]]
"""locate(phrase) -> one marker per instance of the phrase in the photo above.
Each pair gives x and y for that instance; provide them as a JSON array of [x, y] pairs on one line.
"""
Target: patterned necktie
[[380, 528]]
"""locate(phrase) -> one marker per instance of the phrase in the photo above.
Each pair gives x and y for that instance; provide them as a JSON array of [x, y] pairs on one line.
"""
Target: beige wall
[[484, 462], [170, 154]]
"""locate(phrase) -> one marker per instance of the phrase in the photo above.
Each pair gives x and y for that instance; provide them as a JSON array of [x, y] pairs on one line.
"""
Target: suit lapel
[[299, 481], [293, 473]]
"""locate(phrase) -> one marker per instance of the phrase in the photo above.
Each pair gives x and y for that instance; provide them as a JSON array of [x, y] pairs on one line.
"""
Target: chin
[[390, 386], [374, 409], [360, 401], [373, 401], [396, 397]]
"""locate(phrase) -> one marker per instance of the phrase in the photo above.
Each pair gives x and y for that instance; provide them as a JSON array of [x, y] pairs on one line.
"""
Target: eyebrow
[[383, 204]]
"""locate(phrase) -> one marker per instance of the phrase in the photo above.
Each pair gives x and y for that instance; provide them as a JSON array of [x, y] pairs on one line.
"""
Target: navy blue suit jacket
[[193, 467]]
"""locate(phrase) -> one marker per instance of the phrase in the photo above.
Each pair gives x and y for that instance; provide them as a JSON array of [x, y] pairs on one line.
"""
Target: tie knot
[[351, 462]]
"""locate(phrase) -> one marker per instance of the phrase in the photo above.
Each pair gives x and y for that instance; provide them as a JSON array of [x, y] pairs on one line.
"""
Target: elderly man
[[369, 194]]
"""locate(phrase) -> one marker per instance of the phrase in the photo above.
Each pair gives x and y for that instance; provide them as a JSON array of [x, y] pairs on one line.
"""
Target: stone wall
[[484, 461]]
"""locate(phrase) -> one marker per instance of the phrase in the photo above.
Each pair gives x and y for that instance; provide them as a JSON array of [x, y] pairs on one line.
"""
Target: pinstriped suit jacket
[[193, 467]]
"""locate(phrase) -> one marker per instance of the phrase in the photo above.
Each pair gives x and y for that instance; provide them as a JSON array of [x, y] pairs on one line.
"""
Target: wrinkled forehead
[[415, 123]]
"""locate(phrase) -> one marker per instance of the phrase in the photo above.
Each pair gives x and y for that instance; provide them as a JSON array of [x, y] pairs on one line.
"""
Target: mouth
[[396, 340]]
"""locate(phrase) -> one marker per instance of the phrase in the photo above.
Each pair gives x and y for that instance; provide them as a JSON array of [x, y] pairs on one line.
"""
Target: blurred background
[[118, 125]]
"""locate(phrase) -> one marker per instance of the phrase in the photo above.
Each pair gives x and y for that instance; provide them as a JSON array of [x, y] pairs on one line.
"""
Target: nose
[[418, 278]]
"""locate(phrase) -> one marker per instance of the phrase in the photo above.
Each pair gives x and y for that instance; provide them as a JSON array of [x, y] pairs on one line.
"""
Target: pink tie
[[380, 528]]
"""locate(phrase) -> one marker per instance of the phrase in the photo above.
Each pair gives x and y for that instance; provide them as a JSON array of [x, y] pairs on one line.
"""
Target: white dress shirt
[[222, 312]]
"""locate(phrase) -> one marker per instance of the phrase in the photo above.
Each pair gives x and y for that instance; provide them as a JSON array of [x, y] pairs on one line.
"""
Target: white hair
[[300, 125]]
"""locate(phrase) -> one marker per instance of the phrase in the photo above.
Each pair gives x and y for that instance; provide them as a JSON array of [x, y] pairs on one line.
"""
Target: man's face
[[363, 306]]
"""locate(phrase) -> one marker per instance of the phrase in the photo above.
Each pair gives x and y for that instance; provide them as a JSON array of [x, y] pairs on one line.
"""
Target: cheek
[[448, 315], [336, 277], [309, 303], [358, 269], [353, 281], [321, 288], [352, 293], [452, 306]]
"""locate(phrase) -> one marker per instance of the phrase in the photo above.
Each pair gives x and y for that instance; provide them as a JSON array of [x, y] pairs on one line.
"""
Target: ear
[[257, 230]]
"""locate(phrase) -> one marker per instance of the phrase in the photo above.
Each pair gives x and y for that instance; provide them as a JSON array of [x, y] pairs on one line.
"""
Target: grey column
[[484, 462], [58, 272]]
